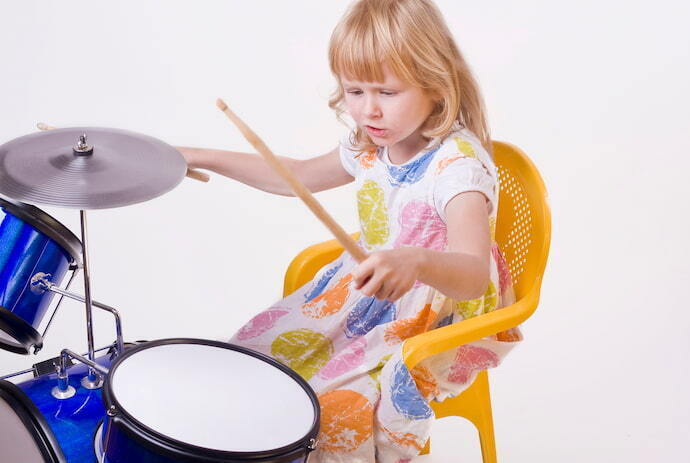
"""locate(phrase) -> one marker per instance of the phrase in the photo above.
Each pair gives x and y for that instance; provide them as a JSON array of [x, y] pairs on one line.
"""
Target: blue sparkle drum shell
[[37, 427], [31, 242], [192, 400]]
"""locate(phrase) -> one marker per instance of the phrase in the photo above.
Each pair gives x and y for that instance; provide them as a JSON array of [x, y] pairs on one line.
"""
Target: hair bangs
[[358, 55]]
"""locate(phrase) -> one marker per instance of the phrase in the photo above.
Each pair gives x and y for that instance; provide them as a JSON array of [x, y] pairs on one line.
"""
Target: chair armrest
[[424, 345], [308, 262]]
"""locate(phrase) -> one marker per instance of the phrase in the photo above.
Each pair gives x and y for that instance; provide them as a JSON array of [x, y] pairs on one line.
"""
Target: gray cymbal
[[110, 168]]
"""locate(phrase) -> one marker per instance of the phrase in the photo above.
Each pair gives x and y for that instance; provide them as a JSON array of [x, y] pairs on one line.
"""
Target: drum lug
[[310, 448], [112, 411], [40, 283]]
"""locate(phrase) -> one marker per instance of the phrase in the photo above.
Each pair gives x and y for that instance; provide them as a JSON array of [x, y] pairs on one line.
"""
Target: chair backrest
[[523, 228]]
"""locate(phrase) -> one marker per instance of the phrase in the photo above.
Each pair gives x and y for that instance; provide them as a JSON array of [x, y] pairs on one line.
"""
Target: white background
[[595, 92]]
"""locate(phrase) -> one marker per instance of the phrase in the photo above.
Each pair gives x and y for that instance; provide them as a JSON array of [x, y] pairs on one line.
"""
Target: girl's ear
[[437, 108], [436, 98], [432, 93]]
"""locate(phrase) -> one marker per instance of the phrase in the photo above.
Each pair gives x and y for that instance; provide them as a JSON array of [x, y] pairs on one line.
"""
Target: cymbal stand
[[93, 380]]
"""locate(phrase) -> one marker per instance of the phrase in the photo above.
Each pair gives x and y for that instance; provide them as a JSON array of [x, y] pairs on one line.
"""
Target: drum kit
[[167, 400]]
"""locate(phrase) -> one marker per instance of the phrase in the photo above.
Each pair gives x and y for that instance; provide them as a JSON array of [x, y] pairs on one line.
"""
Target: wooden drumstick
[[191, 173], [198, 175], [297, 187]]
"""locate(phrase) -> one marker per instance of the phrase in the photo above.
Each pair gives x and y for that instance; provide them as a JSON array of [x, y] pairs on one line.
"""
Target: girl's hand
[[389, 274]]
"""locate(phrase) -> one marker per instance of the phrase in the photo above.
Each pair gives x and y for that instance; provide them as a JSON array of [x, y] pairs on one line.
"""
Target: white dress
[[348, 346]]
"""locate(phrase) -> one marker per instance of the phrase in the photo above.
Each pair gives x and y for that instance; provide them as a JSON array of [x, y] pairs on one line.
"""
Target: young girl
[[427, 199]]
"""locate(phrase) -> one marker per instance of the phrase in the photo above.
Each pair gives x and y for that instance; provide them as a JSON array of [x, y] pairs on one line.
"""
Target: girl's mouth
[[374, 131]]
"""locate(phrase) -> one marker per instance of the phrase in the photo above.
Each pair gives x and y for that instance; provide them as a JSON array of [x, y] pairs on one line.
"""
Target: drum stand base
[[60, 394], [92, 383]]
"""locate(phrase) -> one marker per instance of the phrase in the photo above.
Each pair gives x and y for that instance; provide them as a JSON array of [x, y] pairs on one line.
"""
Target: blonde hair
[[411, 37]]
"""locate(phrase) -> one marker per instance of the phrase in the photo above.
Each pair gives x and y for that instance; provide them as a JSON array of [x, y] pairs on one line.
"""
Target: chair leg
[[483, 420], [473, 404], [487, 441]]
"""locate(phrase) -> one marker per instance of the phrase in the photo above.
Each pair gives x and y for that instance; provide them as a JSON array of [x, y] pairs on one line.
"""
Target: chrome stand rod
[[30, 370], [12, 375], [118, 322], [63, 390], [93, 365], [87, 291]]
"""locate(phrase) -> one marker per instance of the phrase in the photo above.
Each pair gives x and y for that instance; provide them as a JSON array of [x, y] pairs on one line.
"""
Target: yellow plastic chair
[[523, 232]]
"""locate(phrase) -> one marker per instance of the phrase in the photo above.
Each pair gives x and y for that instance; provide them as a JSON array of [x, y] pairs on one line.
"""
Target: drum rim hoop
[[21, 331], [46, 224], [33, 420], [154, 439]]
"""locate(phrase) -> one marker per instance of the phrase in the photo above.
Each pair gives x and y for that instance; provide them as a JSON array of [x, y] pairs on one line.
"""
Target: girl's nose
[[371, 108]]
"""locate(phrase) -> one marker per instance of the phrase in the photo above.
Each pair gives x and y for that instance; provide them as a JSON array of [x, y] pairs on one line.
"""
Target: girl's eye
[[354, 92], [387, 93]]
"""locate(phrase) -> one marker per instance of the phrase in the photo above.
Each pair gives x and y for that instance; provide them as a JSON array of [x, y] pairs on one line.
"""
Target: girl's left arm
[[461, 273]]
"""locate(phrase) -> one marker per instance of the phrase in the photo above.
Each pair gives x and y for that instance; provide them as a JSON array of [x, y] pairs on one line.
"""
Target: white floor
[[453, 440]]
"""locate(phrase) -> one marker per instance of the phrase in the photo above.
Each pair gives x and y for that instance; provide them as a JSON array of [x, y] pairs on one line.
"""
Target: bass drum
[[37, 427], [193, 400]]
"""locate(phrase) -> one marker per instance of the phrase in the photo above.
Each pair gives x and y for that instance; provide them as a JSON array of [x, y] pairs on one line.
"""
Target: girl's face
[[391, 112]]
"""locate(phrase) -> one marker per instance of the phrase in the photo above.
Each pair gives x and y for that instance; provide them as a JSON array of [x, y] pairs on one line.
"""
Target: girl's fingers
[[372, 286], [399, 291], [391, 290], [383, 292], [361, 274]]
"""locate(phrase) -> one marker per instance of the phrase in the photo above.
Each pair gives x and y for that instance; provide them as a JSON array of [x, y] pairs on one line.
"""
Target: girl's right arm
[[317, 174]]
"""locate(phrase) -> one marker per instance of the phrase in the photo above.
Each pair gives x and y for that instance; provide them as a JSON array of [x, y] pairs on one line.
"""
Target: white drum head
[[212, 397]]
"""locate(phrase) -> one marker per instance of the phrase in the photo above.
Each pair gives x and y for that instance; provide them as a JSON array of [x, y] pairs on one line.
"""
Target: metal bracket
[[41, 282]]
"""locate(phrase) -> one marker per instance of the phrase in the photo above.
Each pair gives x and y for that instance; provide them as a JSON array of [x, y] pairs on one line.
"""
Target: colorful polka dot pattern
[[320, 285], [446, 162], [484, 304], [421, 226], [350, 358], [465, 148], [425, 381], [445, 321], [330, 301], [346, 420], [373, 214], [411, 172], [375, 374], [366, 314], [492, 228], [406, 398], [367, 160], [404, 439], [400, 330], [469, 360], [260, 324], [504, 278], [303, 350]]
